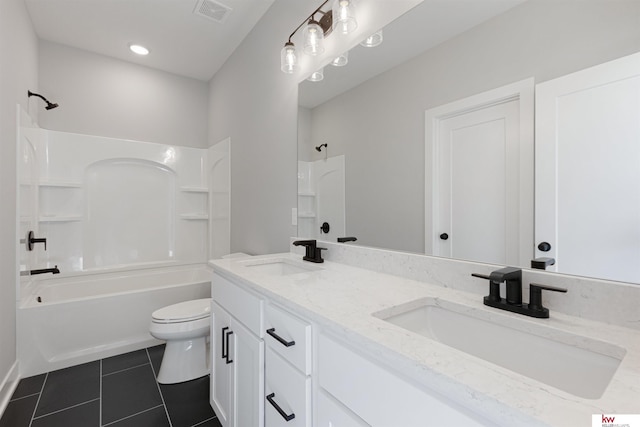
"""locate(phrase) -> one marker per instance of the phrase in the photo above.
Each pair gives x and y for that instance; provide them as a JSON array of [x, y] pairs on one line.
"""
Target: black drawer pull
[[228, 334], [287, 417], [223, 354], [281, 340]]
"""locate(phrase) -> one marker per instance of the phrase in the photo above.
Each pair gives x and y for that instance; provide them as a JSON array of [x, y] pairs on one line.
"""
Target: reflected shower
[[49, 105], [319, 147]]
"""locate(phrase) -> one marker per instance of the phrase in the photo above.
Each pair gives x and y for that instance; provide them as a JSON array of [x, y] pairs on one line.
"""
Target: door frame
[[521, 91]]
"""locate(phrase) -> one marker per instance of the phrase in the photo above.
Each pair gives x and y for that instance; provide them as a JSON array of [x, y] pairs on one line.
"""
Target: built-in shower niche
[[129, 215], [106, 203]]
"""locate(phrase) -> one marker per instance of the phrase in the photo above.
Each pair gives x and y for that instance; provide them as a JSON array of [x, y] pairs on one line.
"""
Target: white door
[[482, 178], [588, 170], [221, 378], [330, 197]]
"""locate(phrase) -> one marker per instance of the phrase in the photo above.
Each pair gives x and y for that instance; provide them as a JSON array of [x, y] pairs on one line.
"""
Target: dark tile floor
[[120, 391]]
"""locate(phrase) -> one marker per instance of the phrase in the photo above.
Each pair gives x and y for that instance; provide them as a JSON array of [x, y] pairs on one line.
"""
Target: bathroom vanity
[[334, 344]]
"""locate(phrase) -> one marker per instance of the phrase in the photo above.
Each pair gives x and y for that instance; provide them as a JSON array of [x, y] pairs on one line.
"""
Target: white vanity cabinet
[[374, 395], [237, 355]]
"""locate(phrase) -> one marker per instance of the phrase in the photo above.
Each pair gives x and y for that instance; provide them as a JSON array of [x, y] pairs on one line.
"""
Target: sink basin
[[279, 266], [576, 364]]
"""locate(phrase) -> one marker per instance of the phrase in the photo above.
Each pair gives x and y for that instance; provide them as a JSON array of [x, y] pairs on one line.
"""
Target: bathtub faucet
[[53, 270]]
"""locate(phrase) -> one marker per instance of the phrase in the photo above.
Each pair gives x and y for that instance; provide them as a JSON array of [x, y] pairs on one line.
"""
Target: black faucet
[[53, 270], [313, 253], [346, 239], [513, 278]]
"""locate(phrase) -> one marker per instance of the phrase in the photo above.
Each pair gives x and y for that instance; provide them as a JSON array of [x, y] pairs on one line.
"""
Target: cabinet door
[[333, 414], [248, 377], [221, 371]]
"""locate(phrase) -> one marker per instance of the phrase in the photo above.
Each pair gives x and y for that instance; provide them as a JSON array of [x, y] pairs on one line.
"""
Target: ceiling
[[189, 44], [181, 41], [427, 25]]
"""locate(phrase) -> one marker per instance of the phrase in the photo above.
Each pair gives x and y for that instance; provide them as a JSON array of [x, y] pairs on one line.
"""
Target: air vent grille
[[212, 10]]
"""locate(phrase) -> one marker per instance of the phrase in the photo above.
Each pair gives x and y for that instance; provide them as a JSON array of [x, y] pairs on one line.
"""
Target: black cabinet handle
[[281, 340], [544, 246], [223, 354], [444, 236], [228, 334], [287, 417]]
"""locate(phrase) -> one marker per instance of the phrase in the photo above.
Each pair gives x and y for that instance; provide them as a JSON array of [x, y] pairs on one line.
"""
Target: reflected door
[[588, 171], [478, 191]]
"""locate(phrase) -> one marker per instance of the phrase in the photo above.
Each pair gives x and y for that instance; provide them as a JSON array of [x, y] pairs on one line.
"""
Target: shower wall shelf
[[194, 189], [63, 184], [60, 218], [194, 217]]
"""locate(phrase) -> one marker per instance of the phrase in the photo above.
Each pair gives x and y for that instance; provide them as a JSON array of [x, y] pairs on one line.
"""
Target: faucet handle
[[494, 288], [535, 296]]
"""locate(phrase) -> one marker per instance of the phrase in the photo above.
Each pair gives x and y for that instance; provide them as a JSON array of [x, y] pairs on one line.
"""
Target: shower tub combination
[[65, 321]]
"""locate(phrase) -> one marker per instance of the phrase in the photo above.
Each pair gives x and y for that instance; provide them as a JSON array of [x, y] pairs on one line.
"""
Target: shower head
[[49, 106], [319, 147]]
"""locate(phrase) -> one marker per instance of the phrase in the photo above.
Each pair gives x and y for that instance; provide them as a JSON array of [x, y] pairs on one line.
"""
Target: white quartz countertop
[[343, 299]]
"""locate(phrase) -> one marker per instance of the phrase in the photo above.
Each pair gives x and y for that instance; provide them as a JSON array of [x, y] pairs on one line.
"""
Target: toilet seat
[[186, 311]]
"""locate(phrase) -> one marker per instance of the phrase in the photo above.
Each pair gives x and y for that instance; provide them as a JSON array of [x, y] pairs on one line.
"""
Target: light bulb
[[313, 39], [288, 58], [344, 18]]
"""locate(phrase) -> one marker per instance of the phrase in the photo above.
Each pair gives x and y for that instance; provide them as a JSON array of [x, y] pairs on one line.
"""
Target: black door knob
[[444, 236], [544, 247]]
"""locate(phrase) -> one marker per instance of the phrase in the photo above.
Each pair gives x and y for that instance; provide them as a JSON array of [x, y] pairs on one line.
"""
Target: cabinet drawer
[[287, 394], [241, 304], [333, 414], [289, 336]]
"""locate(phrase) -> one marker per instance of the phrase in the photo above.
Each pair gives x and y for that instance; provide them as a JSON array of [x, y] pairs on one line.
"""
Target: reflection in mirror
[[378, 122]]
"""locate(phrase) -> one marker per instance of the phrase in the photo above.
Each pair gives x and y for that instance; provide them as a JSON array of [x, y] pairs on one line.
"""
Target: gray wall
[[18, 73], [255, 104], [99, 95], [379, 126]]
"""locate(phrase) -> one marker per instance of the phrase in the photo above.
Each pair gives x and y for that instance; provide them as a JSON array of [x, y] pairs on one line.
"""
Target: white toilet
[[185, 327]]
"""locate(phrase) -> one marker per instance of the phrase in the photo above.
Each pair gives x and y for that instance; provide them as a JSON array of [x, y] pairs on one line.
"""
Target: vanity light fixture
[[314, 33], [138, 49], [344, 17], [317, 75], [373, 40], [341, 60]]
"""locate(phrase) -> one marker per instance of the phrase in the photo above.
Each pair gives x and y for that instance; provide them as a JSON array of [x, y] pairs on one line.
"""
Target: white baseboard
[[8, 386]]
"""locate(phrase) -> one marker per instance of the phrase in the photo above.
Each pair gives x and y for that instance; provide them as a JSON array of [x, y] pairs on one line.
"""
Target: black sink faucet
[[312, 252], [513, 278]]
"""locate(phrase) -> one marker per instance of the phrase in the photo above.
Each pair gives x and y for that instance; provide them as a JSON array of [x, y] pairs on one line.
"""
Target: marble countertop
[[343, 299]]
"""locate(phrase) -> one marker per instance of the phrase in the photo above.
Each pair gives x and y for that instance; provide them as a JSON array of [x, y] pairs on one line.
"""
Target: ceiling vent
[[212, 10]]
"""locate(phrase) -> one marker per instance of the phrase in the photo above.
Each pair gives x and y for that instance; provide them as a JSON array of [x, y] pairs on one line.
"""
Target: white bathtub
[[65, 321]]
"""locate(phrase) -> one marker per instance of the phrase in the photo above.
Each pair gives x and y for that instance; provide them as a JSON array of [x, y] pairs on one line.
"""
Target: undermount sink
[[576, 364], [279, 266]]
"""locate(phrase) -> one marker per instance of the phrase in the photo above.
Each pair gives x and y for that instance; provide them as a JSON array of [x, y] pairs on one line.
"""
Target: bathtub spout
[[53, 270]]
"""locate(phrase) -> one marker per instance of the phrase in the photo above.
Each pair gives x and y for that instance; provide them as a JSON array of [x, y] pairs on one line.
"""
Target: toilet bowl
[[185, 328]]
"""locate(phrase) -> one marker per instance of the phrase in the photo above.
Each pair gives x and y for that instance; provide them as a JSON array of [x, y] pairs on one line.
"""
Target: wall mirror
[[371, 113]]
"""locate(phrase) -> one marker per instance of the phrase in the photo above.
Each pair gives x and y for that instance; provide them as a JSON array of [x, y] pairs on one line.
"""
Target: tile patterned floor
[[120, 391]]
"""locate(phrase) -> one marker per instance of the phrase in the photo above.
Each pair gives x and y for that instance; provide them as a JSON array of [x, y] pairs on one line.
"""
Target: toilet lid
[[183, 311]]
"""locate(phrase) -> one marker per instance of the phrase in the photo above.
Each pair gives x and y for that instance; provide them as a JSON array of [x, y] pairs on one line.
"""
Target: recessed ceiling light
[[140, 50]]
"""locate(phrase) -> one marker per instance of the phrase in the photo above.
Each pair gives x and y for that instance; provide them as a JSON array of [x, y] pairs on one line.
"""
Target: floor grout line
[[166, 410], [123, 370], [24, 397], [46, 377], [64, 409], [130, 416], [202, 422]]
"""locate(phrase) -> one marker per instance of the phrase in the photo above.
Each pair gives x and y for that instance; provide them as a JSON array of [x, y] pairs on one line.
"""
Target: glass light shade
[[313, 39], [373, 40], [341, 60], [344, 18], [288, 58], [316, 76]]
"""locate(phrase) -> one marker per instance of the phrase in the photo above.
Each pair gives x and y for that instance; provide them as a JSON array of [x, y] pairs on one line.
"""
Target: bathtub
[[65, 321]]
